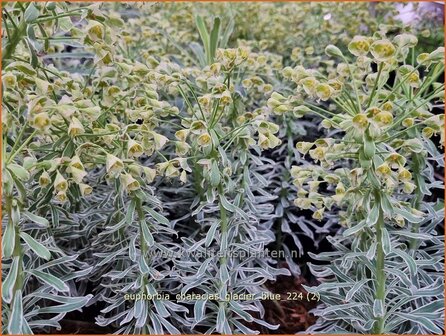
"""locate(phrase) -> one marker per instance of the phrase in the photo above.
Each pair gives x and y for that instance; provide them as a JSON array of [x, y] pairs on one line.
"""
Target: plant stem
[[355, 87], [17, 252], [372, 95], [417, 163], [224, 230], [143, 247], [223, 218], [21, 147], [380, 274], [13, 42]]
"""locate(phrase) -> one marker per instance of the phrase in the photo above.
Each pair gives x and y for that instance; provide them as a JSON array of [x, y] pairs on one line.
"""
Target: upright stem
[[143, 248], [13, 42], [380, 274], [224, 230], [224, 220], [17, 252], [416, 167]]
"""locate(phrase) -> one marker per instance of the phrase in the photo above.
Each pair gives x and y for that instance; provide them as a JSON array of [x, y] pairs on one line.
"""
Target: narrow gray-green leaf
[[410, 262], [161, 308], [225, 203], [170, 328], [8, 240], [36, 219], [358, 227], [425, 322], [211, 233], [35, 246], [146, 234], [204, 35], [221, 318], [31, 13], [158, 217], [372, 217], [372, 251], [130, 212], [51, 280], [409, 216], [355, 288], [386, 204], [214, 174], [19, 172], [16, 319], [378, 308], [213, 41], [9, 282], [199, 308], [76, 303], [387, 245]]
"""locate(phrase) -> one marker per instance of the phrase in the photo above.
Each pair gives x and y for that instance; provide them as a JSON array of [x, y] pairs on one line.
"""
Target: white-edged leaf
[[238, 309], [423, 321], [160, 308], [51, 280], [410, 262], [378, 308], [15, 325], [214, 174], [355, 288], [224, 274], [159, 218], [35, 246], [74, 304], [372, 217], [65, 23], [225, 203], [211, 233], [146, 234], [221, 318], [386, 243], [143, 267], [414, 235], [31, 13], [130, 212], [26, 329], [132, 248], [19, 172], [408, 216], [356, 228], [141, 313], [36, 219], [372, 251], [169, 327], [24, 67], [334, 308], [386, 205], [199, 308], [9, 282], [8, 241]]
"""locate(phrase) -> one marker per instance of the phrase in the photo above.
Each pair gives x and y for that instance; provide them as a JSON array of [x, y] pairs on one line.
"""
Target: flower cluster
[[370, 171]]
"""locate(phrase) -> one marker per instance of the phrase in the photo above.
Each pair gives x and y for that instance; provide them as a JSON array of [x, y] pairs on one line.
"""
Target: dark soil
[[292, 311]]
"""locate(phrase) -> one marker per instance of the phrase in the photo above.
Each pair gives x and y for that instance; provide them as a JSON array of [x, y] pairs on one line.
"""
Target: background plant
[[380, 278], [137, 135]]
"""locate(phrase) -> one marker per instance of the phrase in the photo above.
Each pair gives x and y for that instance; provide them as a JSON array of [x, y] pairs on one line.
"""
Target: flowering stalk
[[380, 266], [372, 153]]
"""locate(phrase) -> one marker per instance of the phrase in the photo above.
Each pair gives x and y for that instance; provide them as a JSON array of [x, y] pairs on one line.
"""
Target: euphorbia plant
[[39, 173], [66, 140], [379, 276], [140, 164], [216, 139]]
